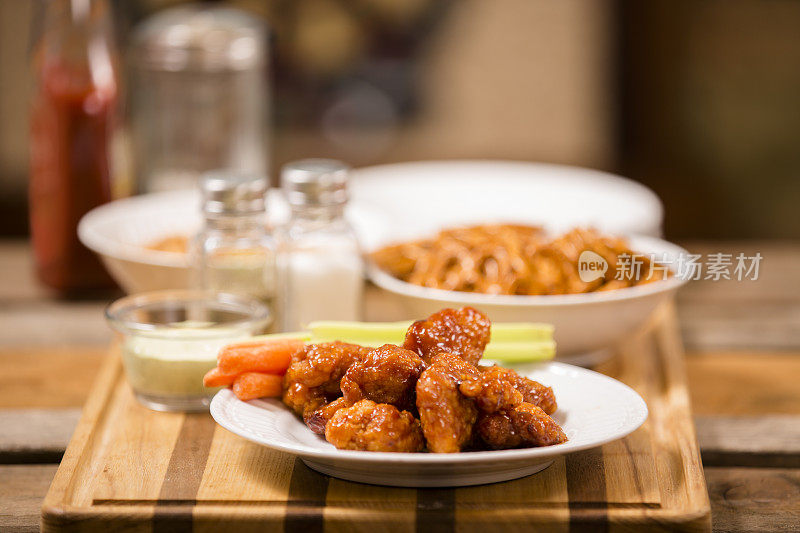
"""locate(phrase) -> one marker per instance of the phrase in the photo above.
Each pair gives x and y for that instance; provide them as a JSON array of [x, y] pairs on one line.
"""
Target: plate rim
[[225, 396]]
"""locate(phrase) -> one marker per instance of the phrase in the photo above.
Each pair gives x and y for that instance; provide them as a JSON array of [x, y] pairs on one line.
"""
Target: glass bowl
[[170, 339]]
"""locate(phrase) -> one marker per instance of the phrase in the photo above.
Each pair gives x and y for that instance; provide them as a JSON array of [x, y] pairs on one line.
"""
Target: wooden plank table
[[743, 341]]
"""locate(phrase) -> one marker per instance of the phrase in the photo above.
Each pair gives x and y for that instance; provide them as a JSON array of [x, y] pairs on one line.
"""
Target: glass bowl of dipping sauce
[[170, 339]]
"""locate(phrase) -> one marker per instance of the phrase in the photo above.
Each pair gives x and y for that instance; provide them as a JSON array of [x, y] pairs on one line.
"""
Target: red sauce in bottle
[[71, 132]]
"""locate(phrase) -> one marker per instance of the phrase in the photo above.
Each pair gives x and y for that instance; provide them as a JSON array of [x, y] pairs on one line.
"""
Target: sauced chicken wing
[[323, 365], [312, 380], [514, 410], [367, 399], [497, 431], [491, 393], [455, 367], [300, 398], [532, 391], [500, 388], [524, 425], [447, 417], [386, 375], [375, 427], [535, 426], [464, 332], [317, 419]]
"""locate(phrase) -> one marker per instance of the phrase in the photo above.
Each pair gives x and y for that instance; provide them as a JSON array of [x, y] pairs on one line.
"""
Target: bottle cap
[[315, 182], [227, 192]]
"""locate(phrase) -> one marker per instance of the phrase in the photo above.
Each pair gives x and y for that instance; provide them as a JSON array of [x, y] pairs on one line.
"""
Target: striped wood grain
[[128, 467]]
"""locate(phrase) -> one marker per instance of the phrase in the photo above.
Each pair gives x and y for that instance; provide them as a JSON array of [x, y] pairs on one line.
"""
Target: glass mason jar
[[320, 262], [199, 95]]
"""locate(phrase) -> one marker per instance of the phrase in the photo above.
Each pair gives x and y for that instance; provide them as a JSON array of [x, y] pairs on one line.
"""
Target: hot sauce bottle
[[72, 126]]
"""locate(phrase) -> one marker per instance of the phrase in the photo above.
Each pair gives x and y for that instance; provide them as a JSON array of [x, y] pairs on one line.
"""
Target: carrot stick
[[216, 378], [273, 356], [252, 385]]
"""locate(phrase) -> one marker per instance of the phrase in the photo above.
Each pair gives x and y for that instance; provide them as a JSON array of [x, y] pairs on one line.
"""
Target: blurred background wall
[[699, 100], [710, 94]]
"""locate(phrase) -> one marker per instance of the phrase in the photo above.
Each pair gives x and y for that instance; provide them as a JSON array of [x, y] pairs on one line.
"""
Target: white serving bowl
[[392, 203], [586, 325], [120, 231], [388, 203]]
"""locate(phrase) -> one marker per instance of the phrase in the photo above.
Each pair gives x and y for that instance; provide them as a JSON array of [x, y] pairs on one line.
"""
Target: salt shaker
[[234, 252], [320, 263]]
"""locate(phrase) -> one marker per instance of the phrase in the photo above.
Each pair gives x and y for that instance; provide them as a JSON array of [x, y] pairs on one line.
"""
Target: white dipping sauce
[[174, 362]]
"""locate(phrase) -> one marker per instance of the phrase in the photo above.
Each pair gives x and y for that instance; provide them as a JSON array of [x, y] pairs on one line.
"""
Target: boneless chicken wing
[[317, 419], [490, 393], [430, 393], [498, 388], [464, 332], [323, 365], [312, 380], [300, 398], [535, 426], [386, 375], [375, 427], [524, 425], [513, 410], [447, 416], [497, 431], [532, 391]]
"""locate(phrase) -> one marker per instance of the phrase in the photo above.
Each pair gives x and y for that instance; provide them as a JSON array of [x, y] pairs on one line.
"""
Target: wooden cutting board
[[134, 469]]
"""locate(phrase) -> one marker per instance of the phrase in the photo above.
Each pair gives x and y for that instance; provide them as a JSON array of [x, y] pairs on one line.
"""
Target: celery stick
[[500, 351], [366, 333], [394, 332], [511, 342], [520, 351], [360, 342], [521, 332], [302, 335]]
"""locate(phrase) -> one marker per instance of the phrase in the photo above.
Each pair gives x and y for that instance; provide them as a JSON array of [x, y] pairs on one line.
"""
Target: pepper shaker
[[234, 252]]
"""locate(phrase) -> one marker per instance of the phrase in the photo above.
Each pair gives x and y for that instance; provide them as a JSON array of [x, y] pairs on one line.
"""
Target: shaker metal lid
[[198, 37], [311, 182], [227, 192]]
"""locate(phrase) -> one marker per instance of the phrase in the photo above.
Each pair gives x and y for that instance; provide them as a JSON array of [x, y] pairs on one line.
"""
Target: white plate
[[593, 409]]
